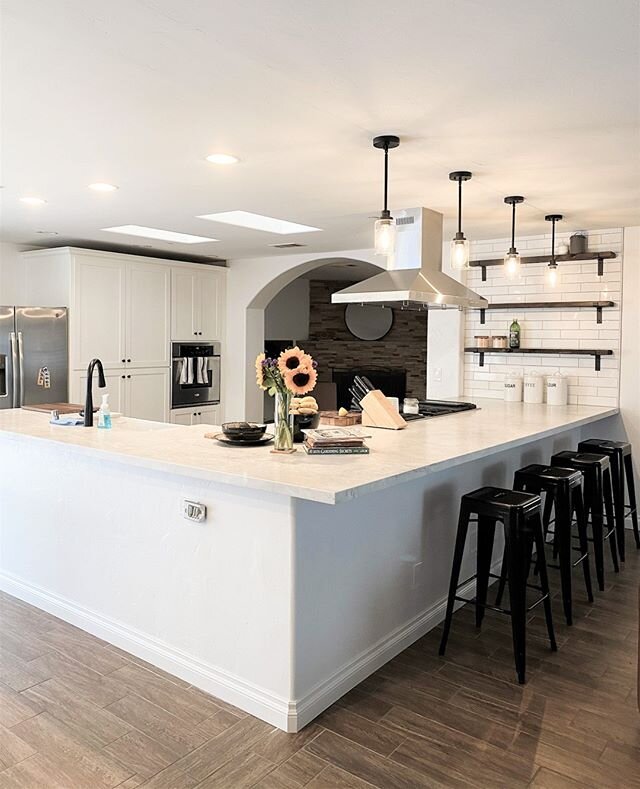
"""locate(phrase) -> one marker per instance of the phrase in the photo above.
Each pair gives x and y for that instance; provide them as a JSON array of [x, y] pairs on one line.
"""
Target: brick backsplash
[[334, 347], [550, 328]]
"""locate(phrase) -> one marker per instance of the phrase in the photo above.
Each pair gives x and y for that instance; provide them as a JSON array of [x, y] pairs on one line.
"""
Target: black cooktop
[[430, 408]]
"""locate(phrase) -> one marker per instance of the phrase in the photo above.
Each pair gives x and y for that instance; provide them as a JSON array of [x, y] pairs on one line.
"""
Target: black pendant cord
[[513, 226], [459, 208], [553, 218], [385, 211]]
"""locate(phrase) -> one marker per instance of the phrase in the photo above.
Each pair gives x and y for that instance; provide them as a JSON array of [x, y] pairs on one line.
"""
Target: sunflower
[[292, 359], [300, 380], [260, 370]]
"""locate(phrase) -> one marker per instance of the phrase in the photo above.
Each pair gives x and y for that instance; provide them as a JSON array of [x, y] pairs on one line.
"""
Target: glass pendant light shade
[[385, 236], [512, 258], [512, 264], [384, 231], [459, 245], [459, 254], [551, 275]]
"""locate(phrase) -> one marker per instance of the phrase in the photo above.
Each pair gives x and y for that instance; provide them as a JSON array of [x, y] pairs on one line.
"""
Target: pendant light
[[385, 227], [551, 276], [512, 258], [459, 244]]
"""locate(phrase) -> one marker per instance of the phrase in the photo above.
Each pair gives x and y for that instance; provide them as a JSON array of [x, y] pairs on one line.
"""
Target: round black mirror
[[368, 321]]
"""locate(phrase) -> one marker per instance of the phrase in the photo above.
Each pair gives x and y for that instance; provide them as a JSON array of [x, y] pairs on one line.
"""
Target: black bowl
[[243, 431], [304, 422]]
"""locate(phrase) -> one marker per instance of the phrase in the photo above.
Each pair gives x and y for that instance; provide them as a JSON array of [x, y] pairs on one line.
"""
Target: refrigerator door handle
[[14, 369], [21, 363]]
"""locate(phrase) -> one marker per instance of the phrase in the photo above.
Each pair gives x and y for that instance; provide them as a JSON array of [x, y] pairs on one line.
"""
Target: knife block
[[377, 411]]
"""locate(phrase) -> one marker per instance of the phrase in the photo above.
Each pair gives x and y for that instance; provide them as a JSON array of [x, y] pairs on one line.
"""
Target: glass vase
[[283, 440]]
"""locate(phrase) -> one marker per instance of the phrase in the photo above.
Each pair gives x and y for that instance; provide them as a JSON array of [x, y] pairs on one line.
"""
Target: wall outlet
[[437, 373], [194, 511]]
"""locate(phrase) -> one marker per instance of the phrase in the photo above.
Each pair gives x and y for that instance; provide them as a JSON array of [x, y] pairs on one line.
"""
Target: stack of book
[[334, 441]]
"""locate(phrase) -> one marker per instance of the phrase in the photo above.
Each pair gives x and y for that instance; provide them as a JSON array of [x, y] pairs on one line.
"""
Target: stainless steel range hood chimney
[[413, 279]]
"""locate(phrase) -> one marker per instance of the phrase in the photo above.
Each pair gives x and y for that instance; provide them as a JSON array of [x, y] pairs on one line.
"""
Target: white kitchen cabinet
[[142, 394], [116, 387], [97, 314], [120, 312], [184, 316], [197, 303], [148, 314], [205, 415], [211, 289], [183, 416], [147, 394]]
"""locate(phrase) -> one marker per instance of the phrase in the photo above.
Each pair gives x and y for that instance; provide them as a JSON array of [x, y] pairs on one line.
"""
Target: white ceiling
[[540, 99]]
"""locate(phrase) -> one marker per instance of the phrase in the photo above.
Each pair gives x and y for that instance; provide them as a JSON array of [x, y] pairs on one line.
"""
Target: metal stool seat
[[619, 453], [598, 501], [563, 492], [519, 514]]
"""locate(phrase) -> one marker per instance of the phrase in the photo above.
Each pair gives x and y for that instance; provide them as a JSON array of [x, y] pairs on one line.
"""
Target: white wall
[[550, 328], [630, 352], [287, 314]]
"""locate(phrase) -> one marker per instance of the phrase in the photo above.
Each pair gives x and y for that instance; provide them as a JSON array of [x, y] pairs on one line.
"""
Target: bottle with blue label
[[104, 414]]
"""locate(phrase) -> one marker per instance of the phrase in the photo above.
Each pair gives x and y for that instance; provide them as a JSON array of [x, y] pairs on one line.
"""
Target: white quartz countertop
[[423, 447]]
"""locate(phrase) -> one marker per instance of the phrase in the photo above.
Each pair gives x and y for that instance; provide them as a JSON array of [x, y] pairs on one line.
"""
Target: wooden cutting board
[[63, 408], [332, 418]]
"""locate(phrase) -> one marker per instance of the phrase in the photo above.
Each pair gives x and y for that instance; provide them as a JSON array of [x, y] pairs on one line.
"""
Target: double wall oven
[[195, 374]]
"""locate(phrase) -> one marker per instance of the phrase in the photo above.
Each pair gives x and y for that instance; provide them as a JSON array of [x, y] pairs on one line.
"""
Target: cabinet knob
[[200, 333], [128, 376], [195, 334], [123, 361], [124, 376], [128, 360]]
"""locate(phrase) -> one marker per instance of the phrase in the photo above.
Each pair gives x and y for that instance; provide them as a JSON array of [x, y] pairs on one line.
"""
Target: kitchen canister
[[557, 389], [533, 388], [513, 388]]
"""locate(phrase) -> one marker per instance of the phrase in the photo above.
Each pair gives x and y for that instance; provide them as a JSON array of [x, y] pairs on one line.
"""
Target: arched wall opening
[[251, 285]]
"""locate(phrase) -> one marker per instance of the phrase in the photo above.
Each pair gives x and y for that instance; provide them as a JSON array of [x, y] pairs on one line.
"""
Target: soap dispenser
[[104, 414]]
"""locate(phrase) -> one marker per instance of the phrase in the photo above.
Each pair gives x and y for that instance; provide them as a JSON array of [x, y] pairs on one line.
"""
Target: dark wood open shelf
[[597, 353], [540, 305], [599, 256]]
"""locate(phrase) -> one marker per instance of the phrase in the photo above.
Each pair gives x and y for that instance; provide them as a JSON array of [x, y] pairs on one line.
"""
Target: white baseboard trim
[[290, 716], [232, 689], [353, 673]]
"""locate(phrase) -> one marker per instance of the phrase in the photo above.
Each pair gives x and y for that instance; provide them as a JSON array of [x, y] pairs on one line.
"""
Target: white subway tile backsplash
[[550, 328]]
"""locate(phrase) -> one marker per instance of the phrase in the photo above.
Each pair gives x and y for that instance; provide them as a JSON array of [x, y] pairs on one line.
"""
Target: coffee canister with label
[[557, 389], [533, 388]]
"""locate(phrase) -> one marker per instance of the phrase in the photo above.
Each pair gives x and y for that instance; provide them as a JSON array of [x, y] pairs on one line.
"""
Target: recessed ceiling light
[[32, 200], [102, 187], [222, 158], [160, 235], [47, 232], [259, 222]]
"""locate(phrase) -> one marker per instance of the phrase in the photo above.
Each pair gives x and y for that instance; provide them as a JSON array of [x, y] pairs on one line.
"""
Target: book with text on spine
[[335, 450]]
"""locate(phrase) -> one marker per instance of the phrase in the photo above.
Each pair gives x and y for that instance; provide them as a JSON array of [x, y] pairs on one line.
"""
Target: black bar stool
[[563, 488], [619, 453], [596, 470], [519, 514]]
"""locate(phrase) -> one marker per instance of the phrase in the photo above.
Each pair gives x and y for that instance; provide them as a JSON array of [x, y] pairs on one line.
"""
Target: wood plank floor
[[76, 713]]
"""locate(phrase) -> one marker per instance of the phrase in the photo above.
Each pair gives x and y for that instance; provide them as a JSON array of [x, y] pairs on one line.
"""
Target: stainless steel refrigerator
[[33, 356]]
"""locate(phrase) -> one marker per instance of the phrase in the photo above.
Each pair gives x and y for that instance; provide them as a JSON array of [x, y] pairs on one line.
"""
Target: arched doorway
[[244, 397]]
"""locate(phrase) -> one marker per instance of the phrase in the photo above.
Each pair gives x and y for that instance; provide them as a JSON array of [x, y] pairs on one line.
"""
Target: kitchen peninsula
[[308, 572]]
